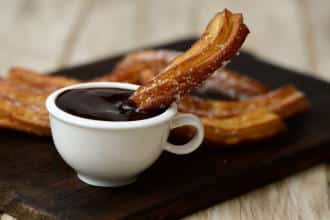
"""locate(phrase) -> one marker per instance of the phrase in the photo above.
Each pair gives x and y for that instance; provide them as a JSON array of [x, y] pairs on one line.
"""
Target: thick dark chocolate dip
[[106, 104]]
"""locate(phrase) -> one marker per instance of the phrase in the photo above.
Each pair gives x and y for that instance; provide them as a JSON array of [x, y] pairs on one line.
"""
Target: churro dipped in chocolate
[[221, 40]]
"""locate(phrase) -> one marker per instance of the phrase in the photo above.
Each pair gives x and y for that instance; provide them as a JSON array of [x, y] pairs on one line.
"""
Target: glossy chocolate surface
[[106, 104]]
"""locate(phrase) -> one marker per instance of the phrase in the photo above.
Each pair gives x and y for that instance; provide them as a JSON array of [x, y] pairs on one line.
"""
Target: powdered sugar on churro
[[192, 68]]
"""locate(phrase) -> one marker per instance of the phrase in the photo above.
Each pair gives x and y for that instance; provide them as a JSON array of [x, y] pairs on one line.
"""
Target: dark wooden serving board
[[35, 183]]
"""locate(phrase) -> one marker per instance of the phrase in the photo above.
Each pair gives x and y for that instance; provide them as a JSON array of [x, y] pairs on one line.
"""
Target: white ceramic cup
[[106, 153]]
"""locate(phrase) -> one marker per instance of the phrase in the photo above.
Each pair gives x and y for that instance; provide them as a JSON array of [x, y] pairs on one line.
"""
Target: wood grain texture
[[35, 34], [112, 27], [299, 197], [7, 217], [318, 35]]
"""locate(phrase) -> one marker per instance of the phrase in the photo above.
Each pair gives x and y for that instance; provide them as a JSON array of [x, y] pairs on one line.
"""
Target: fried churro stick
[[234, 85], [141, 66], [37, 80], [221, 40], [133, 65], [22, 108], [24, 105], [7, 122], [252, 126], [285, 101]]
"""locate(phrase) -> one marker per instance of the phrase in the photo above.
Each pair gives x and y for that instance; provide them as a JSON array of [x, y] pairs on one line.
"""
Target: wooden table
[[45, 35]]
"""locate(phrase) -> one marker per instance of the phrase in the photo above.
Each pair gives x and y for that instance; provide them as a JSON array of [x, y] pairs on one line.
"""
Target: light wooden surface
[[45, 34]]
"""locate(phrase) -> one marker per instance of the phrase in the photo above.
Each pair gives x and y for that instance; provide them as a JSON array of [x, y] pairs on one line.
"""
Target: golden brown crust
[[234, 85], [141, 66], [37, 80], [23, 107], [131, 68], [285, 101], [220, 42], [7, 122], [252, 126], [22, 100]]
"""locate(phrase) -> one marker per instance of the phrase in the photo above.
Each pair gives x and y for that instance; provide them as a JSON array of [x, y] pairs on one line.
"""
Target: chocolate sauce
[[106, 104]]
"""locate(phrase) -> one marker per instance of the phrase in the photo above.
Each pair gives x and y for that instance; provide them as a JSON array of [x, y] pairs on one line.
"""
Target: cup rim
[[59, 114]]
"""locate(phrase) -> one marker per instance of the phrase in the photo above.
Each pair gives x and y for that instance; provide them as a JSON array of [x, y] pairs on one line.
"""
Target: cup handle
[[195, 142]]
